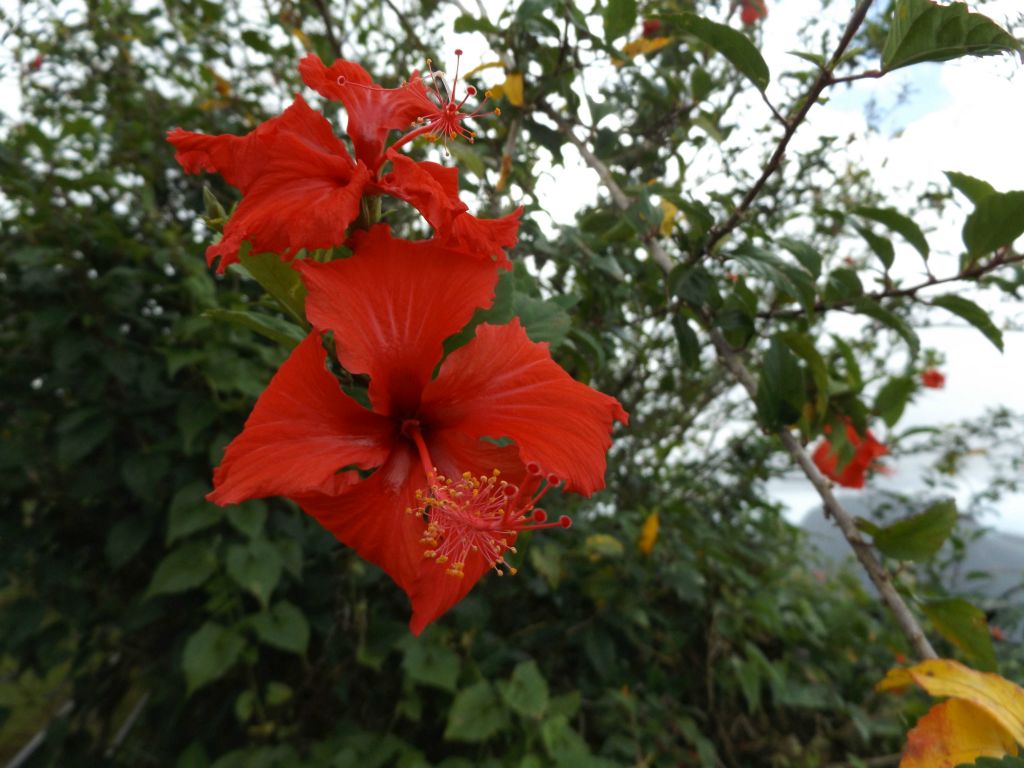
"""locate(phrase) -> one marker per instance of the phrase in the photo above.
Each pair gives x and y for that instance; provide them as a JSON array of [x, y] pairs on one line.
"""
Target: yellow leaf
[[1001, 699], [222, 86], [480, 67], [644, 45], [953, 733], [301, 36], [649, 533], [513, 89], [668, 218]]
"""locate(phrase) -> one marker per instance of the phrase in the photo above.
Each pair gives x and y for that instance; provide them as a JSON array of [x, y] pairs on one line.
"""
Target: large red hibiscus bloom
[[445, 501], [866, 449]]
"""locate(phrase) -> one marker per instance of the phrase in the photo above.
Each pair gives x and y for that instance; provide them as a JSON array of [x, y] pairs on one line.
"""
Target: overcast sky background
[[965, 115]]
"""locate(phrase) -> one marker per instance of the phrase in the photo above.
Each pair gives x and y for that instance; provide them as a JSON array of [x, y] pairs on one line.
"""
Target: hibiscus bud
[[215, 212]]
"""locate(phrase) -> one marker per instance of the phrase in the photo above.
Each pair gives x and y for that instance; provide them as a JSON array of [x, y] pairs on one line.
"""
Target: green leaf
[[526, 692], [803, 345], [190, 511], [917, 537], [428, 662], [542, 320], [210, 654], [923, 31], [734, 45], [278, 278], [185, 568], [997, 220], [893, 397], [248, 517], [689, 346], [877, 312], [781, 389], [897, 222], [972, 188], [881, 246], [964, 626], [560, 738], [808, 257], [1007, 761], [973, 314], [245, 705], [277, 329], [126, 538], [842, 285], [283, 627], [619, 18], [694, 285], [476, 714], [256, 567], [278, 693], [789, 279]]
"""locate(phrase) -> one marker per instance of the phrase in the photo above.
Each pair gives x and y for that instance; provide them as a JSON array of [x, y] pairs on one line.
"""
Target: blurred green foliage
[[146, 627]]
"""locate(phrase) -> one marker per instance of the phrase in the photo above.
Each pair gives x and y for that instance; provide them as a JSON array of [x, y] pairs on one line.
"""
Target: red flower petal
[[853, 474], [372, 518], [434, 191], [301, 432], [373, 111], [435, 592], [501, 384], [392, 304], [300, 187]]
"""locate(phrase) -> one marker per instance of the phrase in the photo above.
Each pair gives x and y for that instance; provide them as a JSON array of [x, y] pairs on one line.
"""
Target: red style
[[866, 452], [445, 503]]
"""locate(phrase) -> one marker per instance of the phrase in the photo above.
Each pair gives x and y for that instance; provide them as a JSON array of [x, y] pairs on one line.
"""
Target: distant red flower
[[300, 187], [36, 64], [434, 514], [933, 378], [651, 28], [752, 10], [866, 452]]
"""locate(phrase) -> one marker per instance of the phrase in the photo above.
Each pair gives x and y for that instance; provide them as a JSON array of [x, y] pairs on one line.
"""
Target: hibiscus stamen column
[[477, 514]]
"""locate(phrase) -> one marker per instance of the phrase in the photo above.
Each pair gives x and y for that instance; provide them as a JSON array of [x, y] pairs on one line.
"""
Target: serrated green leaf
[[973, 314], [973, 189], [877, 312], [190, 512], [897, 222], [619, 18], [526, 691], [283, 627], [256, 567], [893, 397], [542, 320], [734, 45], [920, 536], [689, 346], [997, 220], [210, 654], [781, 389], [881, 246], [924, 31], [428, 662], [476, 714], [964, 626], [185, 568]]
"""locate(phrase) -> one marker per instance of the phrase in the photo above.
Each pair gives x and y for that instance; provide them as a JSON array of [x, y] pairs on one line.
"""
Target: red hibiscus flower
[[866, 452], [445, 502], [752, 10], [301, 188], [933, 378]]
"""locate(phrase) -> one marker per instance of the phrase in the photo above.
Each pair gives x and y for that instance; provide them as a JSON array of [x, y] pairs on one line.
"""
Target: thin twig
[[823, 80], [325, 14], [906, 620]]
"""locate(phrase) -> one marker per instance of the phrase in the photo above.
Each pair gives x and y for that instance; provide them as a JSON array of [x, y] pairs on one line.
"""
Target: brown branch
[[1004, 257], [906, 620], [823, 80], [325, 15]]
